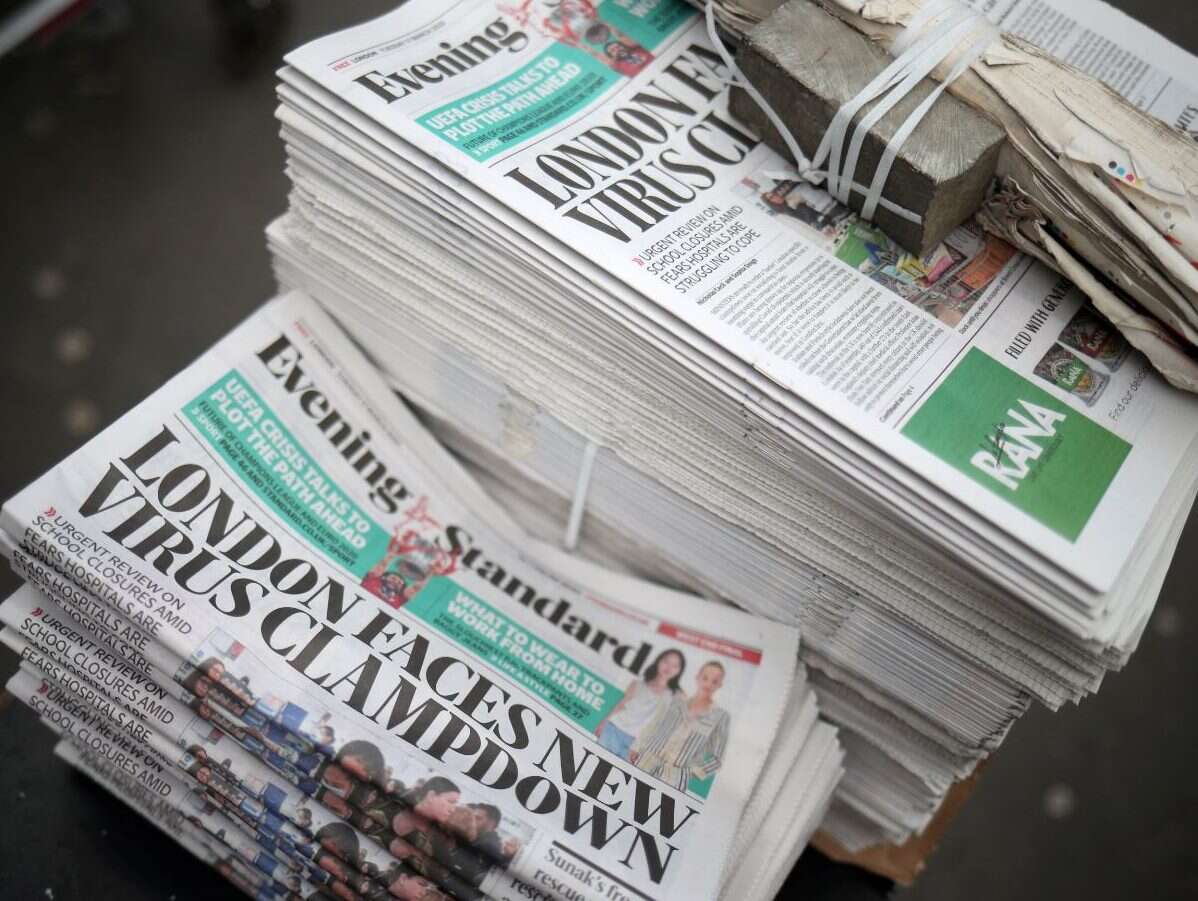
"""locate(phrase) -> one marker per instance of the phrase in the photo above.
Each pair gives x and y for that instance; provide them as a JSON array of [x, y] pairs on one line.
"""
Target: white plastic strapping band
[[581, 486], [932, 35]]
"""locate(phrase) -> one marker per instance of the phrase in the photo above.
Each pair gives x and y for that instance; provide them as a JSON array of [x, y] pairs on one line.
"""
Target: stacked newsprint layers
[[540, 221], [270, 612]]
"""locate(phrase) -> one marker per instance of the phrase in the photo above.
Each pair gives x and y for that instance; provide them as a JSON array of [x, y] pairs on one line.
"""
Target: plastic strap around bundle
[[932, 35], [891, 85], [890, 154], [581, 486]]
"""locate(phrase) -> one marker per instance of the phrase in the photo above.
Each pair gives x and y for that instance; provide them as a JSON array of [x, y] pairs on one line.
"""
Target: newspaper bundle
[[266, 605], [541, 223]]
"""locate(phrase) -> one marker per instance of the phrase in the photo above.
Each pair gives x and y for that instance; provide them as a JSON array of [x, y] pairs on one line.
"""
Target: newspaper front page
[[116, 709], [259, 532], [603, 126]]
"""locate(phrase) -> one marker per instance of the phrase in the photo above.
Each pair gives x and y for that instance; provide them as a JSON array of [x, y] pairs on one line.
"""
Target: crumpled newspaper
[[740, 15], [1098, 190]]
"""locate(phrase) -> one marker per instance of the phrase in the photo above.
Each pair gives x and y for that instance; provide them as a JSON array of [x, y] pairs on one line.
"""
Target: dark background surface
[[140, 164]]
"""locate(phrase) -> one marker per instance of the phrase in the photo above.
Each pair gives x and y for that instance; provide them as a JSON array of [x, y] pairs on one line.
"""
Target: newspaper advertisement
[[269, 536], [604, 126]]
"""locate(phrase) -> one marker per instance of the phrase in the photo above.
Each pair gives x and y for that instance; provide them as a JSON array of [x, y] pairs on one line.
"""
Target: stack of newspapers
[[272, 614], [654, 344]]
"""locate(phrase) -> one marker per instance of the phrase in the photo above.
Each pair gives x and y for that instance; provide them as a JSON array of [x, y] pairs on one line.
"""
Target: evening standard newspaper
[[179, 756], [192, 761], [247, 867], [259, 532], [148, 731], [184, 814], [969, 392], [239, 871]]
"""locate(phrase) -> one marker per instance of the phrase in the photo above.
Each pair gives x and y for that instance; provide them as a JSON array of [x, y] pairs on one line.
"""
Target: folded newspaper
[[268, 606], [542, 224]]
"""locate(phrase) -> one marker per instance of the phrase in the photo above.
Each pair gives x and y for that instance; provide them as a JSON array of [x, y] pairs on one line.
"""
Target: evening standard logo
[[450, 62], [1008, 454]]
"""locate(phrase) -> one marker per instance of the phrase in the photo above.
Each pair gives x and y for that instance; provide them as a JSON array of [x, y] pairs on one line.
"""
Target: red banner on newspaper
[[710, 643]]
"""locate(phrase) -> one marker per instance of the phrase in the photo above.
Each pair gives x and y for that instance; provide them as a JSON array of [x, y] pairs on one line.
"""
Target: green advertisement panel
[[271, 463], [591, 53], [536, 666], [1008, 434]]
